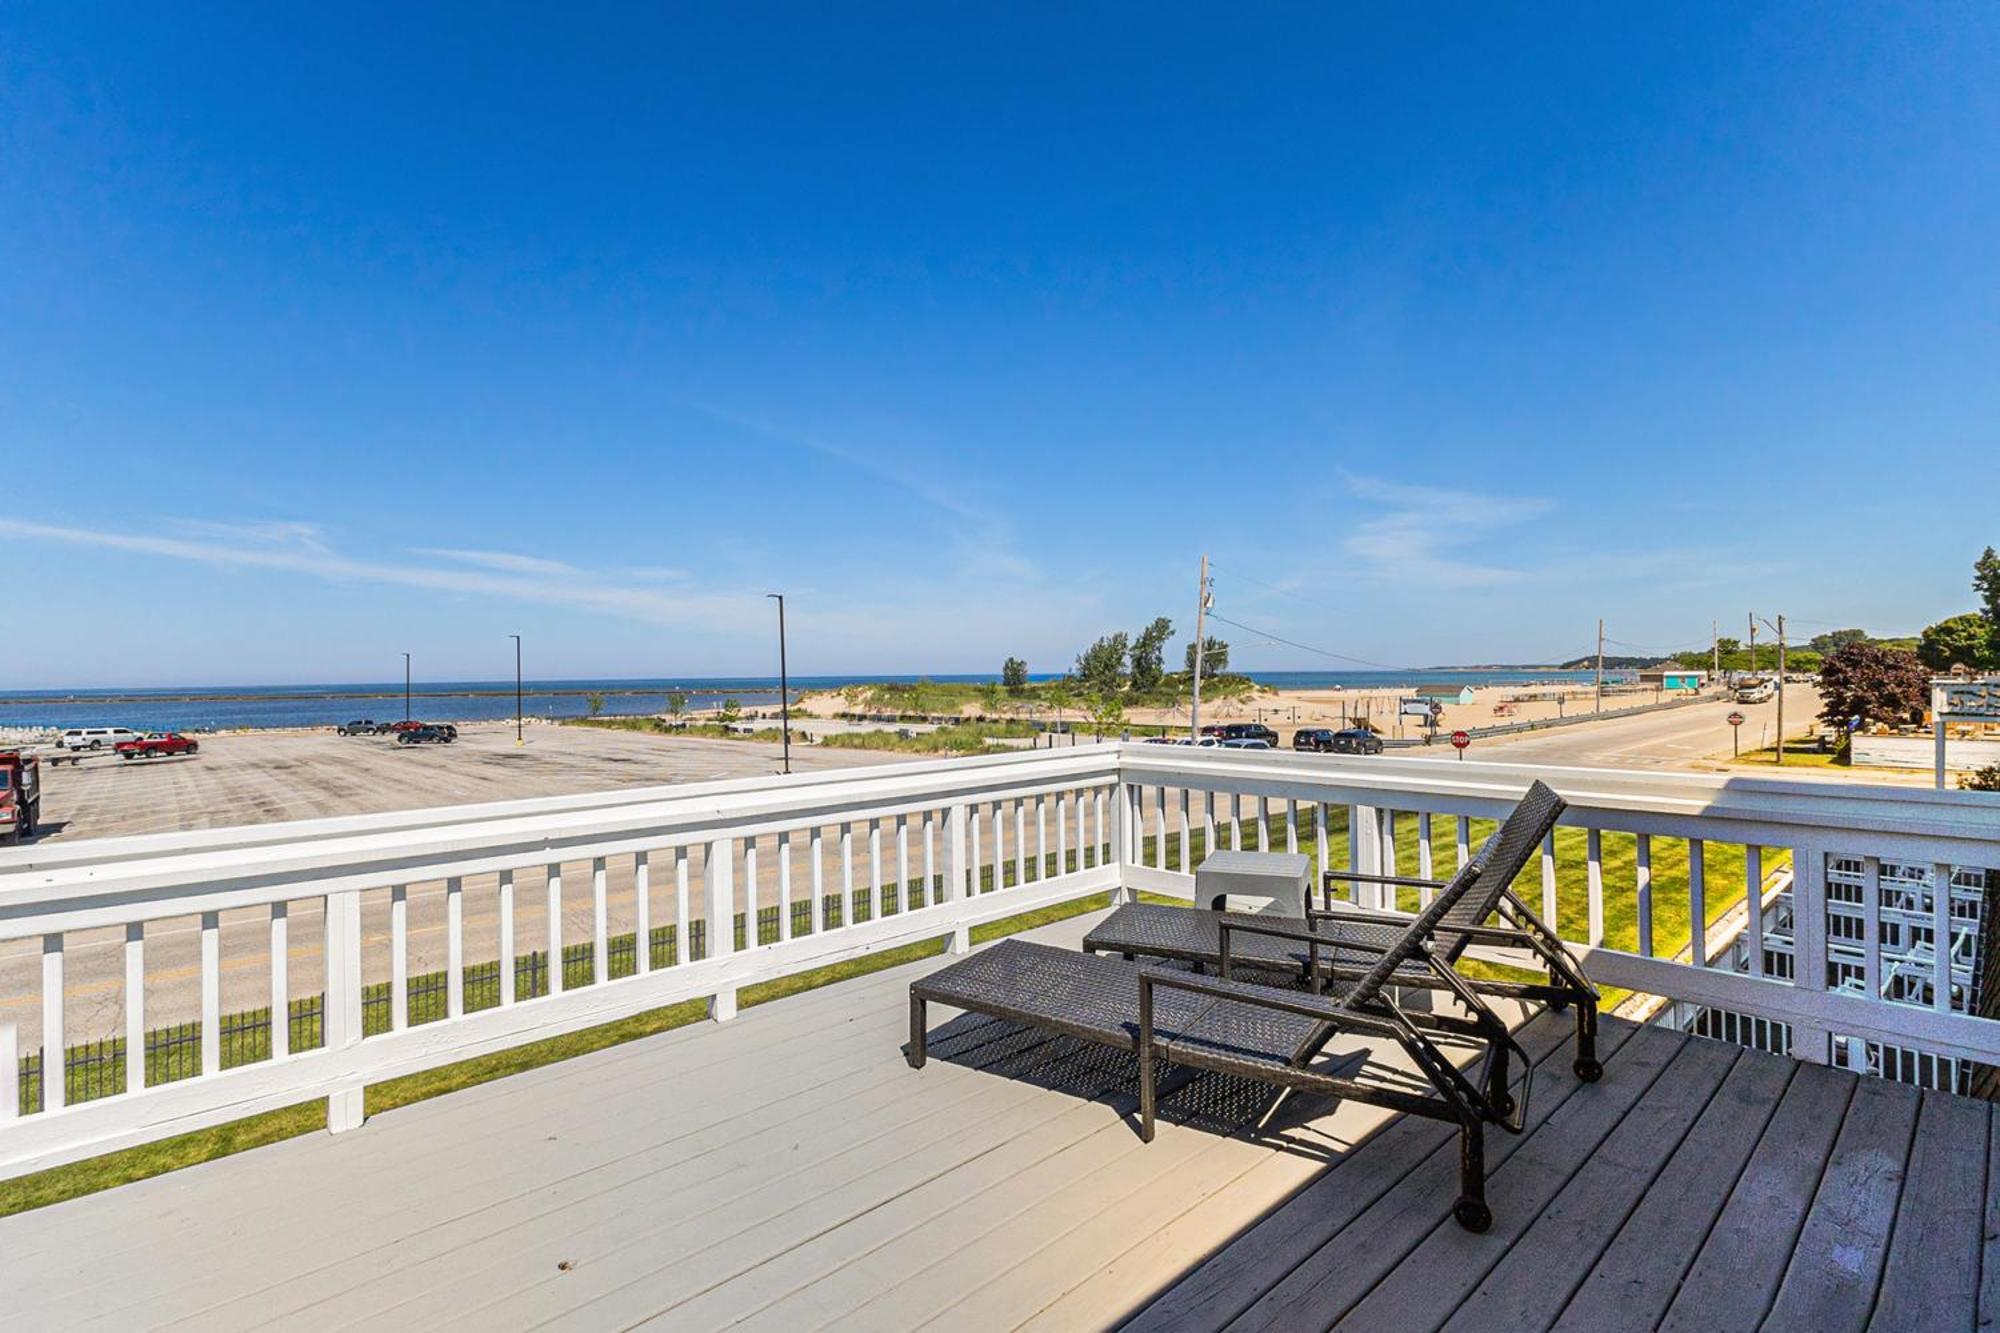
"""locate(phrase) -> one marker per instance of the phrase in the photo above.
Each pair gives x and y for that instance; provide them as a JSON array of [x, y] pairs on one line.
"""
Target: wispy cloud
[[1418, 535], [303, 549], [507, 562]]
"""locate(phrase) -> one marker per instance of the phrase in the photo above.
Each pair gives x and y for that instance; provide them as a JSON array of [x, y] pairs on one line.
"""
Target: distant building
[[1444, 694], [1673, 678]]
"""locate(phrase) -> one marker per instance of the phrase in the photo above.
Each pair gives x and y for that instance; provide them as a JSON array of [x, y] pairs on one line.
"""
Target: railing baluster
[[1941, 932], [785, 883], [54, 1090], [1753, 905], [600, 924], [1424, 870], [1187, 835], [1389, 859], [752, 936], [1062, 831], [1263, 825], [1159, 829], [1235, 822], [506, 893], [846, 873], [683, 940], [875, 869], [1082, 828], [10, 1073], [1291, 827], [903, 862], [555, 924], [1464, 841], [454, 948], [135, 1000], [999, 848], [1207, 822], [1594, 878], [1871, 925], [1020, 842], [1643, 886], [1042, 838], [1697, 902], [1319, 835], [1549, 917], [642, 913], [399, 957], [978, 857], [930, 858], [816, 876], [211, 1000], [719, 910]]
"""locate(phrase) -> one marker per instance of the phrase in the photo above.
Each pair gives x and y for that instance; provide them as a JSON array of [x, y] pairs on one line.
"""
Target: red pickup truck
[[153, 747], [20, 795]]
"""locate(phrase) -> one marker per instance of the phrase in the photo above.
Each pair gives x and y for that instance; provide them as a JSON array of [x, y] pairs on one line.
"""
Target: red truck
[[153, 747], [20, 795]]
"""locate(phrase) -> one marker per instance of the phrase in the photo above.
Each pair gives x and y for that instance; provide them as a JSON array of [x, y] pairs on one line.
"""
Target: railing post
[[1122, 824], [10, 1073], [1811, 1042], [340, 1005], [956, 820], [718, 880]]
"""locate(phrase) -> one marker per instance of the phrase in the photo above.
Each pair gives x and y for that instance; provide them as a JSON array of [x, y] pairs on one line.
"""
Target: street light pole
[[784, 683], [406, 687], [517, 687]]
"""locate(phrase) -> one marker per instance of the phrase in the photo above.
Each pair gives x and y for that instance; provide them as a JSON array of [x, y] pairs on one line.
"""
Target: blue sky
[[328, 333]]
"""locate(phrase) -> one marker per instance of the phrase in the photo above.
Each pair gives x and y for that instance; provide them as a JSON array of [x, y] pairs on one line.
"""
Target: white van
[[95, 738]]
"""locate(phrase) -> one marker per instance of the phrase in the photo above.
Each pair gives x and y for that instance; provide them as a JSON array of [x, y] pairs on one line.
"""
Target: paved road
[[1673, 738]]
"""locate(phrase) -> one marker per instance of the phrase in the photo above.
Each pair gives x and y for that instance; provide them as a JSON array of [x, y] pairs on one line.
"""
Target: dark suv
[[427, 734], [1242, 731], [1354, 740]]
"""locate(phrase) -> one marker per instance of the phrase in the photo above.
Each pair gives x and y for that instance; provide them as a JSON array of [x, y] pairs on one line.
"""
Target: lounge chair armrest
[[1407, 881]]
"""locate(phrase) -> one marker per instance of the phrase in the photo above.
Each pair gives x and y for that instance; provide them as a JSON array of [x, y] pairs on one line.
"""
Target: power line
[[1304, 647]]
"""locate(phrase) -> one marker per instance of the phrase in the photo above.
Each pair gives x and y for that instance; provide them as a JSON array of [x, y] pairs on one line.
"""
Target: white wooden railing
[[645, 898]]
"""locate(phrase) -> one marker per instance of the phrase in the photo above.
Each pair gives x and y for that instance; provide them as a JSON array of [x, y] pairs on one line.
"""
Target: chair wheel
[[1589, 1070], [1472, 1214]]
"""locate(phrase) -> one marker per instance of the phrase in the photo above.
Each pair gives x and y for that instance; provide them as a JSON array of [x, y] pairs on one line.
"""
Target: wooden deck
[[788, 1170]]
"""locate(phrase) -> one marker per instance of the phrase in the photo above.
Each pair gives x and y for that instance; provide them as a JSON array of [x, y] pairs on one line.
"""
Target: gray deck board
[[1640, 1272], [1933, 1264], [1736, 1273], [1836, 1270], [788, 1170]]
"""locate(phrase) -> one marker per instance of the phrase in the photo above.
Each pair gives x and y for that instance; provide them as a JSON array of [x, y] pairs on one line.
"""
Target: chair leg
[[1497, 1094], [1587, 1067], [1471, 1211], [918, 1033], [1146, 1092]]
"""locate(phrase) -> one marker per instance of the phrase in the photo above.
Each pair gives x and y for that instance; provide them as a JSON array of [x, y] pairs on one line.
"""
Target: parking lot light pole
[[784, 684], [406, 687], [517, 687]]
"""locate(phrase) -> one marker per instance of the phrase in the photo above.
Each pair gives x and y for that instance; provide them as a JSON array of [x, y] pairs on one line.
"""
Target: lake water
[[232, 707]]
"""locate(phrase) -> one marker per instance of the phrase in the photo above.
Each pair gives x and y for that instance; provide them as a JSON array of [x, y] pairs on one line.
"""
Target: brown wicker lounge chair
[[1346, 944], [1274, 1035]]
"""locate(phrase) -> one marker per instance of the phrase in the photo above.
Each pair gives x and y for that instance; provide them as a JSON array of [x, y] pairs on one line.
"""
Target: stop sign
[[1735, 719], [1460, 739]]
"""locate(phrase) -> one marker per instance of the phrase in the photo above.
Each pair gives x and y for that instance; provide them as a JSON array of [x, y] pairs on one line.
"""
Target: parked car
[[1246, 743], [426, 734], [1315, 739], [159, 745], [95, 738], [1242, 731], [1356, 740], [361, 727], [20, 795]]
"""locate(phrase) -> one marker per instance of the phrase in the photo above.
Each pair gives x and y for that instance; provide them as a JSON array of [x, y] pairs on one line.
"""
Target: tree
[[1982, 779], [1149, 653], [1101, 668], [989, 699], [1837, 638], [677, 703], [1986, 582], [1214, 657], [1728, 645], [732, 711], [1966, 639], [1014, 675], [1872, 683], [1107, 713], [595, 701]]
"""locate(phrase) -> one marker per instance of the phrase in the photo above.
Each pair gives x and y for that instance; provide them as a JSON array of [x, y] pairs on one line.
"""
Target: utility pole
[[1715, 651], [1201, 603], [517, 687], [406, 687], [1600, 665], [1753, 643], [1779, 628], [784, 683]]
